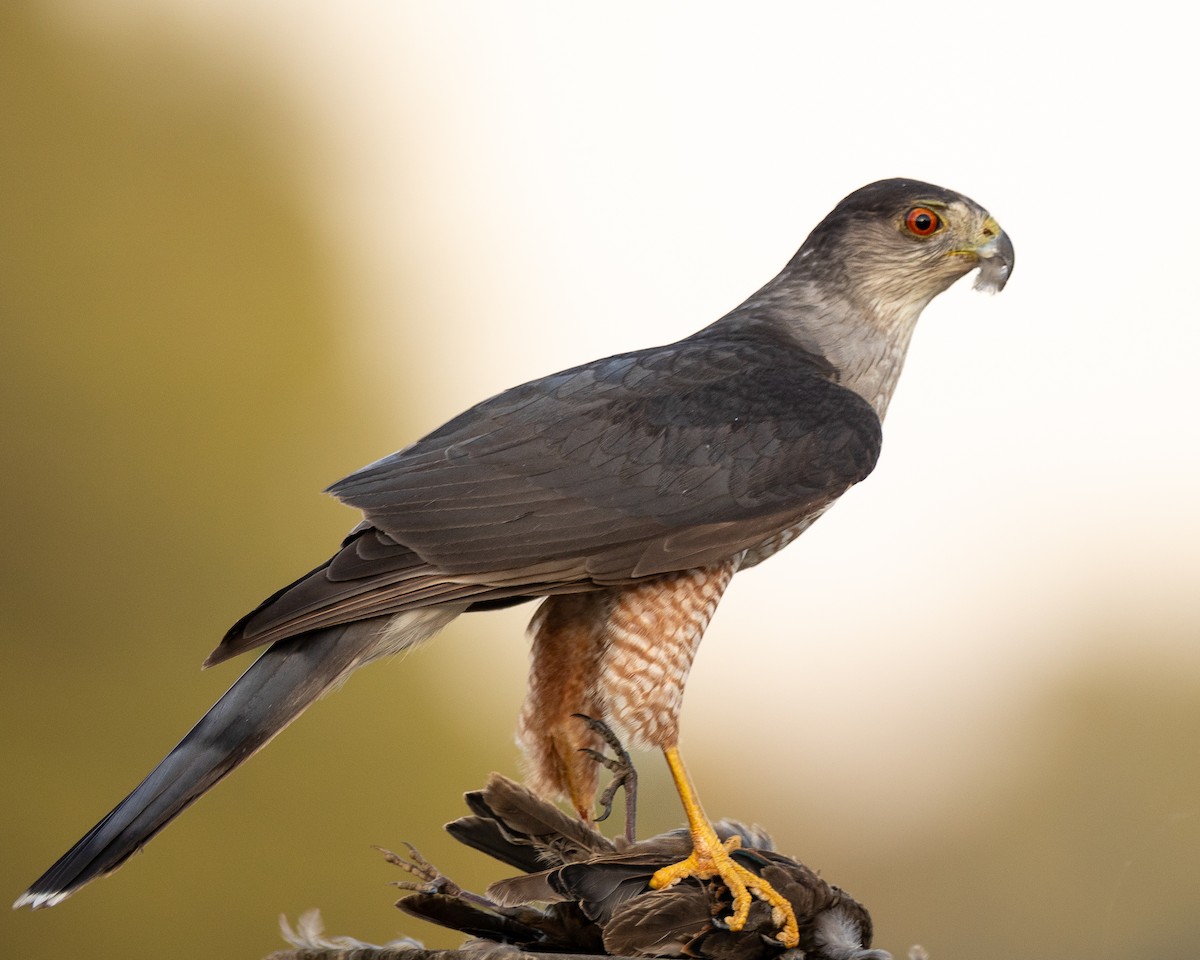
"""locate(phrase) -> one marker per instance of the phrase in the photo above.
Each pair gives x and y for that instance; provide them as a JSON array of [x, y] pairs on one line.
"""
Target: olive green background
[[177, 388], [176, 393]]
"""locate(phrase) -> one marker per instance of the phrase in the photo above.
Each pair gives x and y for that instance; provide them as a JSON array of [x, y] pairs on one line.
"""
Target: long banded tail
[[277, 688]]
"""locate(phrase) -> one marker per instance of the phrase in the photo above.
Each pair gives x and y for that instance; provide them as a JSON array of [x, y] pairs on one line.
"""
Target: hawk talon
[[710, 858], [605, 800], [743, 885], [624, 775]]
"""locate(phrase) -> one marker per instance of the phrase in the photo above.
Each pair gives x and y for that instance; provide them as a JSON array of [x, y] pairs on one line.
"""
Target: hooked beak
[[996, 258]]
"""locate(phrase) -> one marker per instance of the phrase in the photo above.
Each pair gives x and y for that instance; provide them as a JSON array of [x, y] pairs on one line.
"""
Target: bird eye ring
[[922, 222]]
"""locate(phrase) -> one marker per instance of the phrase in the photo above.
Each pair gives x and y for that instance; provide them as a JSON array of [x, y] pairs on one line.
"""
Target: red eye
[[921, 221]]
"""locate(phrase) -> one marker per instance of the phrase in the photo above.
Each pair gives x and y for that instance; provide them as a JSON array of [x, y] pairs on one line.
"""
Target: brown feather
[[589, 894]]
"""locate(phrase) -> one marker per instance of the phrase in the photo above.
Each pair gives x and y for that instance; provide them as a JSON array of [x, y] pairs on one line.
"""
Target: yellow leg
[[710, 858]]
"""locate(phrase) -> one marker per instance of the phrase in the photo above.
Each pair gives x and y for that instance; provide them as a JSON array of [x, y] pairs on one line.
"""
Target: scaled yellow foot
[[710, 858]]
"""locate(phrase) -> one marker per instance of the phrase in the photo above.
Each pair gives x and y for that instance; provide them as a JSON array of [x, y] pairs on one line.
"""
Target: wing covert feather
[[598, 462], [640, 464]]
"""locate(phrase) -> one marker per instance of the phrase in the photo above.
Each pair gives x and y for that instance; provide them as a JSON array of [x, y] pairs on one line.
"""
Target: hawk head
[[899, 242]]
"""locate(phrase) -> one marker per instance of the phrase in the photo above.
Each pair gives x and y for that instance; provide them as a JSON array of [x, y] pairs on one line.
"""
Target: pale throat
[[869, 352], [877, 381], [864, 334]]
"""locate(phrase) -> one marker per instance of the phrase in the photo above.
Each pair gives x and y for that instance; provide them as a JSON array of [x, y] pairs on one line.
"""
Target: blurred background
[[247, 247]]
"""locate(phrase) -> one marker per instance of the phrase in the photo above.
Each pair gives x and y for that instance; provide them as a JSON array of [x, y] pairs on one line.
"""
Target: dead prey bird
[[580, 892]]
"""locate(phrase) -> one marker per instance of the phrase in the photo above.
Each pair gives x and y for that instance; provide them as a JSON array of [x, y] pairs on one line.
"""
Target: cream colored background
[[248, 247]]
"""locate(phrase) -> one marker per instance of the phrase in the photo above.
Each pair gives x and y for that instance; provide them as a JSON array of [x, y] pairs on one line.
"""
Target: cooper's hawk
[[627, 492]]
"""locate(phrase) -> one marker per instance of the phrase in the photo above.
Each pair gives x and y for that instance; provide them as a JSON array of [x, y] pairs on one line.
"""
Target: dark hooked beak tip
[[996, 259]]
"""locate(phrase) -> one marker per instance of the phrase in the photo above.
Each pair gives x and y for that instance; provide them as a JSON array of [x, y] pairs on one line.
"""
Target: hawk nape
[[627, 492]]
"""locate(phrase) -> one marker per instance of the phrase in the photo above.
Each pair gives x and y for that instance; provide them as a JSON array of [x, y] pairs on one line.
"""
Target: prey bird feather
[[581, 893], [627, 493]]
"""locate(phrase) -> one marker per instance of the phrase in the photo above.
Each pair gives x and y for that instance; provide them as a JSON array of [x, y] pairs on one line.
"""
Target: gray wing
[[636, 465]]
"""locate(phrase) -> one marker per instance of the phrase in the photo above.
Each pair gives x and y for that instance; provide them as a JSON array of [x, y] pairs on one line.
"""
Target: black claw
[[623, 771]]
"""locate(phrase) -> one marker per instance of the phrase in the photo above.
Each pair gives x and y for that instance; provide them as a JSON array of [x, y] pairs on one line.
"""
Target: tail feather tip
[[35, 899]]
